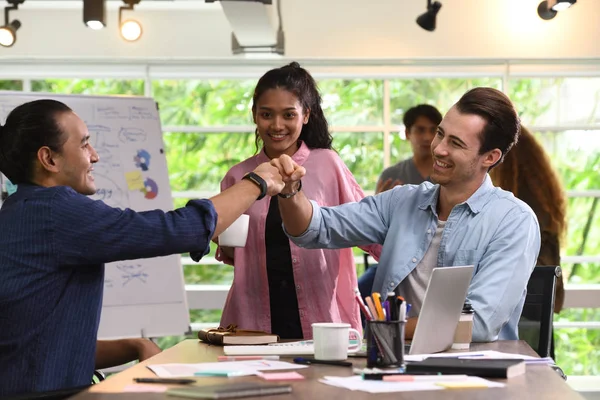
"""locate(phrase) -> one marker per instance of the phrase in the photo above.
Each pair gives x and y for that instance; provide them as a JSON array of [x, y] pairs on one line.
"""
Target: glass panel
[[576, 157], [89, 86], [204, 103], [11, 85], [578, 349], [363, 155], [439, 92], [352, 102], [199, 161], [557, 101]]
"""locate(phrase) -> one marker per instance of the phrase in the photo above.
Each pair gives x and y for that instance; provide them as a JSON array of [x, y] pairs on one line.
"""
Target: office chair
[[537, 317]]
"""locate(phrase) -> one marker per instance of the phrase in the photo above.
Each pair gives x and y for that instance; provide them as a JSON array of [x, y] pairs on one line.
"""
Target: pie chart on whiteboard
[[151, 189]]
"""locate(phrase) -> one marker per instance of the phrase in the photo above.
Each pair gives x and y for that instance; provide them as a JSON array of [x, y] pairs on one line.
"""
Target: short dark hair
[[422, 110], [503, 125], [29, 127], [297, 80]]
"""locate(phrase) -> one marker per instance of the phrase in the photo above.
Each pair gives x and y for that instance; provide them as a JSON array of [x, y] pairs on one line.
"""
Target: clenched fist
[[272, 177]]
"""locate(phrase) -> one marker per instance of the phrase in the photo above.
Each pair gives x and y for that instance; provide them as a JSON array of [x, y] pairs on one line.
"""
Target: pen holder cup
[[385, 344]]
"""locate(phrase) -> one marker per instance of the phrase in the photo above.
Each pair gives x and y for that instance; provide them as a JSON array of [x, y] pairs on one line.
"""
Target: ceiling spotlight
[[94, 14], [131, 30], [427, 19], [8, 32], [547, 9]]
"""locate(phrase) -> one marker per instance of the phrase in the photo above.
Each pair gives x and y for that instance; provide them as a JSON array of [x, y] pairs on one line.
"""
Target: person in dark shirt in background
[[55, 242], [420, 123]]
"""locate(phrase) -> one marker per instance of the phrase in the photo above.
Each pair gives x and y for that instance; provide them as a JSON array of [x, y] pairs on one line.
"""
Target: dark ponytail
[[29, 127], [295, 79]]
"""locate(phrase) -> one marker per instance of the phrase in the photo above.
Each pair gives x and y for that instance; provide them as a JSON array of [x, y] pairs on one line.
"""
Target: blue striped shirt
[[492, 230], [54, 245]]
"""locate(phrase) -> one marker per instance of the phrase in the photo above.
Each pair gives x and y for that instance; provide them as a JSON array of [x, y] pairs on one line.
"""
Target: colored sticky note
[[463, 385], [282, 376], [145, 388], [135, 180]]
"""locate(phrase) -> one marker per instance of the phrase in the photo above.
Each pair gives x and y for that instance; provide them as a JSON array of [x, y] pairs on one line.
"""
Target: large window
[[208, 129]]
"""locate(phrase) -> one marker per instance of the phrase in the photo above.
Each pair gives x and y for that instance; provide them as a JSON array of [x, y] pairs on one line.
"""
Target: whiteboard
[[141, 297]]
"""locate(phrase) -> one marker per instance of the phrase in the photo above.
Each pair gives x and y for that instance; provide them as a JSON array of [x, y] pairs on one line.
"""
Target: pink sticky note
[[145, 388], [282, 376]]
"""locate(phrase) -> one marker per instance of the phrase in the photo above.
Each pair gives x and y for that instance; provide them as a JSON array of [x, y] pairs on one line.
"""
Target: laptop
[[443, 302]]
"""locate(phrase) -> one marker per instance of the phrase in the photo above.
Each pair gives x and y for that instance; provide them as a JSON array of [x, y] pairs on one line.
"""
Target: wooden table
[[539, 382]]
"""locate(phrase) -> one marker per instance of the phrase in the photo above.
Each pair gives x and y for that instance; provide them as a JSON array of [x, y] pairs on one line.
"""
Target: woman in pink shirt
[[277, 286]]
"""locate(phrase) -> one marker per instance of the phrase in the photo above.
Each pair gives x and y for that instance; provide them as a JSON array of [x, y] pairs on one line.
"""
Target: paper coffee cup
[[236, 234]]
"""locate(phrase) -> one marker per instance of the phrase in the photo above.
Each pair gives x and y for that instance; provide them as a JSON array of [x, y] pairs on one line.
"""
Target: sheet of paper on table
[[240, 368], [357, 383]]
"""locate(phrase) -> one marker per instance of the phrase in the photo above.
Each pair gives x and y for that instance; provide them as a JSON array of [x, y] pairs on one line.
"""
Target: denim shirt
[[492, 230]]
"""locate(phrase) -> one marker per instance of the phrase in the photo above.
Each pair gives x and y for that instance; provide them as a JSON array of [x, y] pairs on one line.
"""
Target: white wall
[[321, 28]]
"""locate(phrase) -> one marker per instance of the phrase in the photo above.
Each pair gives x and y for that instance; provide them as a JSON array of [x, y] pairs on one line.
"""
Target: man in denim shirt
[[461, 220]]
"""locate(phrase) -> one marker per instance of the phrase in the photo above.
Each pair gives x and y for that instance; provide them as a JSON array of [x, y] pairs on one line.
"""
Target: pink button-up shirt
[[325, 279]]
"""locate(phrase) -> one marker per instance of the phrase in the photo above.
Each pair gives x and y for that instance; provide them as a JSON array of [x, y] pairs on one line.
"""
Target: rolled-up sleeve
[[499, 284]]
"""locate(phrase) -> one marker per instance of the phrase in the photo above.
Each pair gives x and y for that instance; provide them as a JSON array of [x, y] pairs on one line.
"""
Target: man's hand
[[272, 177], [389, 183], [289, 171]]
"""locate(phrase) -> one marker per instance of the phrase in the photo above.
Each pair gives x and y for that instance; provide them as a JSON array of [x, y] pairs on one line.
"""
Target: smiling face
[[74, 163], [455, 149], [279, 118]]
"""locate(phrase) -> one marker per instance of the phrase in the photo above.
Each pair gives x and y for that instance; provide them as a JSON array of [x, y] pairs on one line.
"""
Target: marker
[[377, 303], [246, 358], [393, 304], [308, 361], [165, 380]]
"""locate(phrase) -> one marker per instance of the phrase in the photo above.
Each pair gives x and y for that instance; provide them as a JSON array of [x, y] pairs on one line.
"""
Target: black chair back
[[537, 317]]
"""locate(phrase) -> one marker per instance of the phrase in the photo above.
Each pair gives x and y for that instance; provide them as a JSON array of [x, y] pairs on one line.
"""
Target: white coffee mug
[[332, 340], [236, 234]]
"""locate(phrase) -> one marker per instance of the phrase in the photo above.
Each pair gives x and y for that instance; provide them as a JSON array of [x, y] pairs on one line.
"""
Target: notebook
[[229, 390], [234, 336], [482, 367]]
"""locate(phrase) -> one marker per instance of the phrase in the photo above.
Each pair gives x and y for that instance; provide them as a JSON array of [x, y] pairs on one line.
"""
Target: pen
[[246, 358], [393, 305], [424, 378], [378, 376], [164, 380], [308, 361]]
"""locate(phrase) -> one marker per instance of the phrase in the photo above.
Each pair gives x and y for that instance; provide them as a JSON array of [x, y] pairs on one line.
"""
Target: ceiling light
[[94, 14], [547, 9], [427, 19], [131, 30], [8, 32]]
